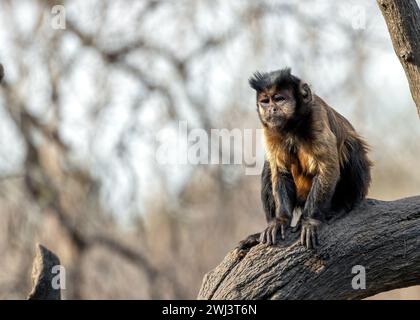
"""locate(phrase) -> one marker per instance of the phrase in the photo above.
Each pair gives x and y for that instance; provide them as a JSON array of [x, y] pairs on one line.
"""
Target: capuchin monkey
[[316, 163]]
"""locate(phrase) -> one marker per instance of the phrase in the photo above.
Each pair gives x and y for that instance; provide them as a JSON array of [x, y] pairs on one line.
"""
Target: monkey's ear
[[305, 92]]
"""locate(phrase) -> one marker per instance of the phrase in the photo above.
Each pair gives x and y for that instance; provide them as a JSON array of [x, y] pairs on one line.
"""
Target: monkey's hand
[[269, 235], [309, 233]]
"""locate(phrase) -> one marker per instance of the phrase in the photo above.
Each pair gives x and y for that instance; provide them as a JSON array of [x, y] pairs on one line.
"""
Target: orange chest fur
[[302, 168], [297, 160]]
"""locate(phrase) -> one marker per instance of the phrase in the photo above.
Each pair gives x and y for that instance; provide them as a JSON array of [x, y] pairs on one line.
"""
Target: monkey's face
[[276, 106]]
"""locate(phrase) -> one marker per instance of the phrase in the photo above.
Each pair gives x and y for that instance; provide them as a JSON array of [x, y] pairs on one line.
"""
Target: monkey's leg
[[318, 201], [284, 195]]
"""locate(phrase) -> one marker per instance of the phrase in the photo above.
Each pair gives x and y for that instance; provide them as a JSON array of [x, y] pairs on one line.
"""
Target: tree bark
[[381, 236], [403, 20], [42, 275]]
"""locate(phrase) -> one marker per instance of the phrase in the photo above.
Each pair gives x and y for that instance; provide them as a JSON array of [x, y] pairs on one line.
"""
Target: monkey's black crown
[[262, 80]]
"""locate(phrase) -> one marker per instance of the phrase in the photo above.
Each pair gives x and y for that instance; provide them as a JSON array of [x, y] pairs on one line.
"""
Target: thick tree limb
[[382, 236], [403, 20], [42, 275]]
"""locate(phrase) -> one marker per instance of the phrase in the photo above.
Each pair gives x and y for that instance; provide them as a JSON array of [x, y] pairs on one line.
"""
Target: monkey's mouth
[[275, 121]]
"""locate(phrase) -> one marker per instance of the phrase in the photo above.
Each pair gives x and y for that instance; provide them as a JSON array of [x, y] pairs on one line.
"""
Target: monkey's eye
[[265, 101], [278, 98]]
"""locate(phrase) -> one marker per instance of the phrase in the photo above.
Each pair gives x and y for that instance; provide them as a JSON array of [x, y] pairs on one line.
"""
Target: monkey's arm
[[285, 193], [278, 196], [278, 204], [320, 195], [267, 198]]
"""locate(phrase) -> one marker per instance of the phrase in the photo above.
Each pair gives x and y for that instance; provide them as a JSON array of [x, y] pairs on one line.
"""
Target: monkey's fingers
[[263, 238], [302, 236], [274, 230], [309, 237], [305, 237], [267, 236], [309, 233], [314, 237]]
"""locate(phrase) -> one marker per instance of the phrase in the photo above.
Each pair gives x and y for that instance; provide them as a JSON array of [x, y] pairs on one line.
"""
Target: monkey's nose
[[274, 110]]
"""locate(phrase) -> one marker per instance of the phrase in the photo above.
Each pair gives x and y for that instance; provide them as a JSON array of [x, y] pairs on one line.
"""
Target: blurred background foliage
[[85, 109]]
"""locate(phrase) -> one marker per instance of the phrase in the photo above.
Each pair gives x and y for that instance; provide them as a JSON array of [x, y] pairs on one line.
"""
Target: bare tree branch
[[403, 20], [383, 237], [42, 275]]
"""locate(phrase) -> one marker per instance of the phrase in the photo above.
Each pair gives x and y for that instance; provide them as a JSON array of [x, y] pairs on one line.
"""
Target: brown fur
[[326, 152]]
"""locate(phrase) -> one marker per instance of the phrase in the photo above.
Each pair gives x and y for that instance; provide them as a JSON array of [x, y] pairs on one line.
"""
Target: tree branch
[[382, 236], [403, 20], [42, 275], [1, 72]]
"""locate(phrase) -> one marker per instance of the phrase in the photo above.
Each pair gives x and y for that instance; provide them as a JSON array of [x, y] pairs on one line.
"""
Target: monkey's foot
[[269, 235], [249, 242], [309, 233]]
